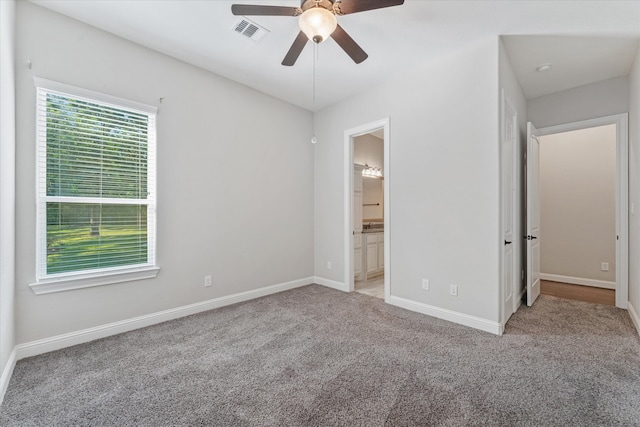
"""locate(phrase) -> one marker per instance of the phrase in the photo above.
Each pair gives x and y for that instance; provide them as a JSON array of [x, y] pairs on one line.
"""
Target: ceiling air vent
[[250, 29]]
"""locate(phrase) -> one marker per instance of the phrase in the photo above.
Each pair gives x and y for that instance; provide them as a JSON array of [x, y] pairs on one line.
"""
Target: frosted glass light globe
[[317, 24]]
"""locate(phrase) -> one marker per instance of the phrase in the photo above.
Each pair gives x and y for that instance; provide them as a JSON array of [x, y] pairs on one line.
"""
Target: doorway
[[368, 206], [367, 225], [583, 200]]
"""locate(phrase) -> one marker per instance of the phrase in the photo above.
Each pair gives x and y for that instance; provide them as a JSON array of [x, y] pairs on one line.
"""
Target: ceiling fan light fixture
[[317, 23]]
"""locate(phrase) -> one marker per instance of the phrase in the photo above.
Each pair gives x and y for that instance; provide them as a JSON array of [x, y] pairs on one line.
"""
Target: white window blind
[[95, 182]]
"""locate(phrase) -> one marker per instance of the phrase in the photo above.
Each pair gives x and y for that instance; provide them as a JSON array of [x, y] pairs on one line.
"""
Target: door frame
[[622, 192], [349, 136]]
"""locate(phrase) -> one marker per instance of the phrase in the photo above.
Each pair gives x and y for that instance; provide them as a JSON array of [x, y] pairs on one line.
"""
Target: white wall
[[235, 177], [599, 99], [369, 149], [634, 185], [7, 182], [372, 194], [443, 177], [509, 84], [578, 203]]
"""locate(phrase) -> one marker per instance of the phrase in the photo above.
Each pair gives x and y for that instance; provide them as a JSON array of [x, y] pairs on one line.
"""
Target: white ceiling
[[575, 61], [396, 39]]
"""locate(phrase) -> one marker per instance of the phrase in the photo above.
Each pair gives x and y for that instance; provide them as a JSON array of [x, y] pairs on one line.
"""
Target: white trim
[[450, 315], [77, 280], [68, 282], [331, 284], [348, 212], [6, 374], [349, 134], [387, 209], [578, 281], [96, 200], [90, 95], [622, 192], [46, 345], [634, 316]]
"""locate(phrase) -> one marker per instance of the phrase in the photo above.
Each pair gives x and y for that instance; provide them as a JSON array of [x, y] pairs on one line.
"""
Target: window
[[95, 188]]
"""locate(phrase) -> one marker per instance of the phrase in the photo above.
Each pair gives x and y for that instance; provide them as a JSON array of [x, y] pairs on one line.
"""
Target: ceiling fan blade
[[249, 9], [346, 7], [295, 50], [349, 45]]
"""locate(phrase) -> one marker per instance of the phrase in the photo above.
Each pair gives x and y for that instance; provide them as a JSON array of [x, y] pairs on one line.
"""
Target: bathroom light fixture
[[371, 172], [317, 23]]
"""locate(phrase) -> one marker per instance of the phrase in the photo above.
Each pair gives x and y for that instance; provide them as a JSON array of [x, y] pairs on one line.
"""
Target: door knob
[[507, 243]]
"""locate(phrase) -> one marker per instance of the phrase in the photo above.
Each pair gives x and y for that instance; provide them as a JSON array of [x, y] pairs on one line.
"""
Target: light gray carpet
[[314, 356]]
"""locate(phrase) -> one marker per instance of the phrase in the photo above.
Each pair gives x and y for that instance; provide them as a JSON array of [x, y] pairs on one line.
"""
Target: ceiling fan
[[317, 21]]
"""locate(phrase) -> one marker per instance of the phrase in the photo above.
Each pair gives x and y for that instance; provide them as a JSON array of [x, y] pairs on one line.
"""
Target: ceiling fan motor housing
[[308, 4]]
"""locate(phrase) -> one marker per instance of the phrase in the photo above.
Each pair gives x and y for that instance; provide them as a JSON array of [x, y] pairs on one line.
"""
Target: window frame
[[57, 282]]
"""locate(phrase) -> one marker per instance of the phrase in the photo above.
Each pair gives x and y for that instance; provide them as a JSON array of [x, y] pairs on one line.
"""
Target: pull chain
[[315, 56]]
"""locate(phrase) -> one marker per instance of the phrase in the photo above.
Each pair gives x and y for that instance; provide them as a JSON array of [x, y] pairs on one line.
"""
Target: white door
[[509, 141], [357, 256], [356, 260], [372, 253], [533, 214], [380, 251], [357, 211]]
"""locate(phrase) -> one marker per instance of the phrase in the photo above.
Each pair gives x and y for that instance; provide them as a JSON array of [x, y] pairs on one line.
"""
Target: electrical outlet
[[425, 284], [207, 281], [604, 266], [328, 265], [453, 290]]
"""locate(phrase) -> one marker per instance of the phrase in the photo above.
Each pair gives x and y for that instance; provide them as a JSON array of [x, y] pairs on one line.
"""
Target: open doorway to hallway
[[583, 172], [578, 209]]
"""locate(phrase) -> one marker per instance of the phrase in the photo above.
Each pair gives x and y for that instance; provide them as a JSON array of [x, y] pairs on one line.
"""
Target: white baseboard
[[331, 284], [441, 313], [634, 316], [6, 374], [578, 281], [46, 345], [450, 315]]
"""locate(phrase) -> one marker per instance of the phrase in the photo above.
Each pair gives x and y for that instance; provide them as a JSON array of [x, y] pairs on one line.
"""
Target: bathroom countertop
[[373, 230]]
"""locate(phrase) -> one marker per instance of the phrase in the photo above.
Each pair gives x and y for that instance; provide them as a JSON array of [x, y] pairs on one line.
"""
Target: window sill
[[49, 286]]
